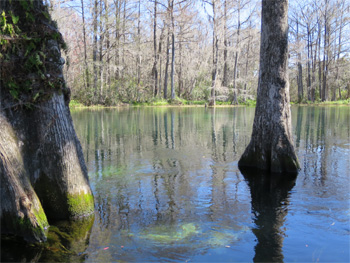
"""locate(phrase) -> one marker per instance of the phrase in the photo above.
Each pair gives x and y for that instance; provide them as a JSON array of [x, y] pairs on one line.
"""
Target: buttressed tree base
[[43, 173], [271, 147]]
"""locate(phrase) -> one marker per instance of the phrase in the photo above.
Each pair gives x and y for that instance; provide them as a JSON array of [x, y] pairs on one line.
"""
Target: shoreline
[[97, 107]]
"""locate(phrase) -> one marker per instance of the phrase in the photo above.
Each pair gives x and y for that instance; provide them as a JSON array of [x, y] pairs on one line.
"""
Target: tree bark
[[308, 63], [271, 147], [235, 68], [325, 54], [101, 67], [165, 93], [138, 61], [21, 211], [155, 69], [319, 61], [180, 81], [94, 51], [225, 70], [85, 48], [43, 173], [172, 74], [118, 9], [300, 70], [215, 55]]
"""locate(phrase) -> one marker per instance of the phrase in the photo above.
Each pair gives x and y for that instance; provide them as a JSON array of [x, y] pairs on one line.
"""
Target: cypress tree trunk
[[60, 176], [43, 174], [271, 147], [165, 94], [21, 211]]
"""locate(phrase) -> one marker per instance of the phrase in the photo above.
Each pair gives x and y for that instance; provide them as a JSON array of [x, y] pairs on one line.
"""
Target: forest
[[195, 51]]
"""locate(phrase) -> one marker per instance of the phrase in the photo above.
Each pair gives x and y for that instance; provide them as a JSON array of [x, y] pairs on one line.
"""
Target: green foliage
[[249, 102], [319, 102], [223, 103], [75, 104], [25, 72]]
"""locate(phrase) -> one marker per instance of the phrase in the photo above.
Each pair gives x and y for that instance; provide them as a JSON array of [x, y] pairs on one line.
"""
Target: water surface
[[167, 188]]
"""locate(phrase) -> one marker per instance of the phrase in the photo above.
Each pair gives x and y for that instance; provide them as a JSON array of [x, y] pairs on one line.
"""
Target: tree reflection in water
[[270, 200], [66, 242]]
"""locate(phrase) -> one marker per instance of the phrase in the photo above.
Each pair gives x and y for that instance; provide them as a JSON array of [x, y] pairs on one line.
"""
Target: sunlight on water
[[167, 188]]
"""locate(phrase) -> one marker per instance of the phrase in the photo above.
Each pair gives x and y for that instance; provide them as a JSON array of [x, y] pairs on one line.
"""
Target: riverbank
[[163, 103], [185, 103]]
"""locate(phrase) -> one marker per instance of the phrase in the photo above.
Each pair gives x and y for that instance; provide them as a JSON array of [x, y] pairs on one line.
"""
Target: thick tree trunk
[[271, 147], [40, 154], [61, 180], [21, 212]]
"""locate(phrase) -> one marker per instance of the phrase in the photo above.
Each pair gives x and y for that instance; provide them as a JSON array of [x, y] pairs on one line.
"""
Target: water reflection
[[167, 188], [162, 169], [322, 136], [66, 242], [166, 169], [270, 200]]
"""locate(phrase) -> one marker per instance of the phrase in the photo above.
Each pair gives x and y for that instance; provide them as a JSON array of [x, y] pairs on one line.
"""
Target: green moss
[[80, 205], [23, 227], [41, 218], [27, 73]]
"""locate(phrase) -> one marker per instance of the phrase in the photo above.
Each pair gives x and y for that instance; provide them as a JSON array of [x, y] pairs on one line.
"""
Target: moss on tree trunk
[[43, 173]]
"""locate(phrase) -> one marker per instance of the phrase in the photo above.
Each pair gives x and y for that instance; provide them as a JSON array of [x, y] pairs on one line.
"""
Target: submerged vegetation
[[183, 234]]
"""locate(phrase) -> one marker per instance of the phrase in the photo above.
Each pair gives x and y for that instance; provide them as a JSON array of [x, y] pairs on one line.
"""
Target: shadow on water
[[66, 242], [270, 200]]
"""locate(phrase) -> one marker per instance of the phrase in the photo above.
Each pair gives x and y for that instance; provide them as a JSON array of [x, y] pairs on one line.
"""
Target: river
[[167, 188]]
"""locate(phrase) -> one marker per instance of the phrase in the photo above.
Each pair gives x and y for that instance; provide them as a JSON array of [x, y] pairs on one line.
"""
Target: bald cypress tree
[[271, 147], [43, 173]]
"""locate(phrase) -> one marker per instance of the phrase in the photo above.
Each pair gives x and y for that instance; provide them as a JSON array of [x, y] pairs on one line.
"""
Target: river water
[[167, 188]]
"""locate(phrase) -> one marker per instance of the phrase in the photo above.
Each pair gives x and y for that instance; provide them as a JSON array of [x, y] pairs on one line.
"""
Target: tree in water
[[43, 173], [271, 147]]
